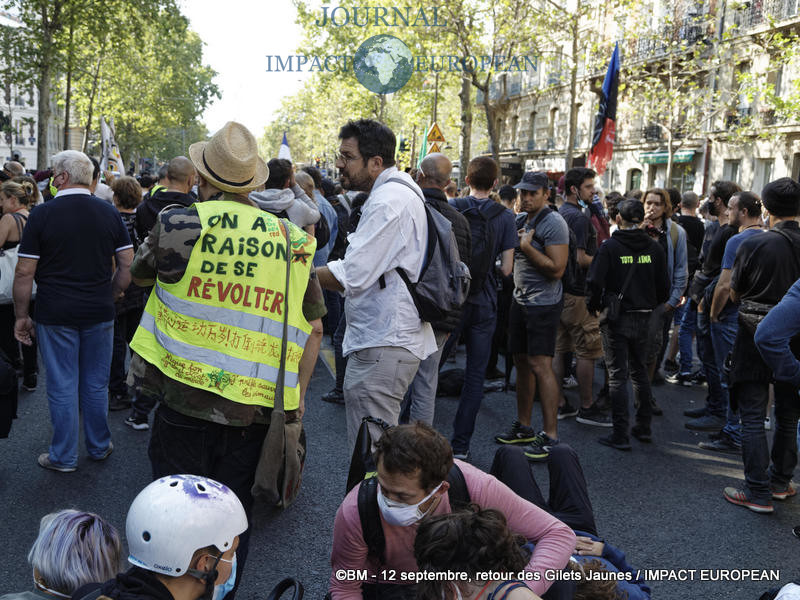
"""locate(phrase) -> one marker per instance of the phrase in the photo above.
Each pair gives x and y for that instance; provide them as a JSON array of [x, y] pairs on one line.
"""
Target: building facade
[[741, 139]]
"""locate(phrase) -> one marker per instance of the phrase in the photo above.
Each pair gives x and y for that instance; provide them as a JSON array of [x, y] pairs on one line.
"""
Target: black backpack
[[343, 220], [483, 241], [570, 276], [369, 513], [444, 280]]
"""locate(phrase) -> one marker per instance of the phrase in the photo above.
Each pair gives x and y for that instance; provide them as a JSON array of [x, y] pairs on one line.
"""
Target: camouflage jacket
[[165, 254]]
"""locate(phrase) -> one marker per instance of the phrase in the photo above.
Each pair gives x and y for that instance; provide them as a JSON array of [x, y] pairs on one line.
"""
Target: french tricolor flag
[[283, 152], [605, 123]]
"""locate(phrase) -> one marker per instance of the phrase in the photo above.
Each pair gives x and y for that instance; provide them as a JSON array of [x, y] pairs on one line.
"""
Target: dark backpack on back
[[369, 513], [444, 280], [570, 275], [483, 241]]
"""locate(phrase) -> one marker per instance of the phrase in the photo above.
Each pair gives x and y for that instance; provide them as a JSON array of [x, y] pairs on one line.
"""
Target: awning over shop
[[660, 157]]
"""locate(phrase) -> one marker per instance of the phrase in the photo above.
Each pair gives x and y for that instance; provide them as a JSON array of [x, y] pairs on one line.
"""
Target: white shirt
[[392, 233]]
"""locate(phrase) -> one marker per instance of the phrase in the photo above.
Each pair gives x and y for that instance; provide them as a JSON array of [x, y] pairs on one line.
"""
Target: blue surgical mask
[[220, 591]]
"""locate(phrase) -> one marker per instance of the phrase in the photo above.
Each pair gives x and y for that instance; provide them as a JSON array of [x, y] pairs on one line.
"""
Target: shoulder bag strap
[[789, 239], [278, 404], [628, 277], [19, 219]]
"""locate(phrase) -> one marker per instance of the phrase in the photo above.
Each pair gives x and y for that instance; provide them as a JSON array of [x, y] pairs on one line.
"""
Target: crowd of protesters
[[224, 332]]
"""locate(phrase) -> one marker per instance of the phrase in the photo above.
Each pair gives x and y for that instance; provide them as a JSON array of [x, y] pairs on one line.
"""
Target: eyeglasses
[[344, 158]]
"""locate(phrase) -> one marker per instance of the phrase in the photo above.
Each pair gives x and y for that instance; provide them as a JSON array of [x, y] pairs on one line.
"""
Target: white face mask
[[402, 515]]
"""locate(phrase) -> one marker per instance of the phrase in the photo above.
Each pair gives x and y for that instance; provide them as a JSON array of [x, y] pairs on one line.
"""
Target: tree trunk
[[670, 151], [490, 113], [90, 110], [466, 128], [42, 160], [68, 95], [573, 92]]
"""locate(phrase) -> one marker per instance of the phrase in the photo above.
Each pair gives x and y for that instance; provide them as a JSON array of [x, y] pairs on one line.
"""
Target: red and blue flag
[[605, 123]]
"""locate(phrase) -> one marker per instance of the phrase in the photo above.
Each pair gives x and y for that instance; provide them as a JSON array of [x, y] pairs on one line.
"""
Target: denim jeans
[[477, 326], [752, 397], [723, 335], [183, 444], [716, 401], [420, 401], [339, 358], [688, 327], [78, 362], [625, 343]]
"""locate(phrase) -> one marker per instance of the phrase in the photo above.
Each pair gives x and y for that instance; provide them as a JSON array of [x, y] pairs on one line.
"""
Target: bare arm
[[328, 281], [122, 275], [584, 260], [308, 362], [721, 294], [552, 262], [23, 287], [507, 262]]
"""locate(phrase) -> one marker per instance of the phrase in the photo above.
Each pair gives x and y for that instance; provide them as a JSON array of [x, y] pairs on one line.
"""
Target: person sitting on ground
[[569, 502], [73, 548], [415, 468], [473, 542], [284, 196], [182, 532]]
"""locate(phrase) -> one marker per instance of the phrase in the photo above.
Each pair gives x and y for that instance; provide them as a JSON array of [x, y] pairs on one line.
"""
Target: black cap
[[507, 192], [533, 181], [631, 211]]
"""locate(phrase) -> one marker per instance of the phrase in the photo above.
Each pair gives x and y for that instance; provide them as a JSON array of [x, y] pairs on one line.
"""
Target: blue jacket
[[613, 560], [677, 263], [775, 332]]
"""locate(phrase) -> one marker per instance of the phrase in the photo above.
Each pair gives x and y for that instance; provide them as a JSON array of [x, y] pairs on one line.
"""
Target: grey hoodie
[[301, 209]]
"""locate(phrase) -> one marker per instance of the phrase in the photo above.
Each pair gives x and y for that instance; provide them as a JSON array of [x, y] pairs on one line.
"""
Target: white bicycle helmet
[[175, 516]]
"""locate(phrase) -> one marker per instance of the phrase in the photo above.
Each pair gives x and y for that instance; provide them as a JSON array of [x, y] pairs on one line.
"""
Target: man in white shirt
[[385, 339]]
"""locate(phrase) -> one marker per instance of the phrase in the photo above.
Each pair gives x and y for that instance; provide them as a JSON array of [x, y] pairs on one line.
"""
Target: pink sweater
[[555, 542]]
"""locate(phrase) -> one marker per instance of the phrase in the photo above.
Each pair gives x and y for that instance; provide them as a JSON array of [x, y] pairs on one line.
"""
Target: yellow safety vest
[[219, 328], [156, 188]]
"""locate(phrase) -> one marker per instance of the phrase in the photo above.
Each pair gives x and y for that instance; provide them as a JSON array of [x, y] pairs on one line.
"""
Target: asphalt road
[[662, 503]]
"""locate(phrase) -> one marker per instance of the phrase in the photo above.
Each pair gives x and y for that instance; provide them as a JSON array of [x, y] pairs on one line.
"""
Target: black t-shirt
[[695, 230], [766, 265], [585, 236], [712, 264], [74, 237]]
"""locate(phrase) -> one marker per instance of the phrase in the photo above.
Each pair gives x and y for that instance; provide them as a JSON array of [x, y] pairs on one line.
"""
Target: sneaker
[[539, 449], [680, 379], [519, 434], [594, 416], [694, 413], [566, 410], [767, 424], [782, 493], [739, 497], [29, 383], [642, 433], [613, 441], [136, 422], [45, 462], [721, 444], [671, 367], [465, 456], [334, 397], [705, 423], [698, 378], [119, 402], [105, 454], [569, 382]]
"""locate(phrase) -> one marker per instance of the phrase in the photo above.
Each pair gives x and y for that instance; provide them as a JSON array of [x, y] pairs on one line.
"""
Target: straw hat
[[229, 160]]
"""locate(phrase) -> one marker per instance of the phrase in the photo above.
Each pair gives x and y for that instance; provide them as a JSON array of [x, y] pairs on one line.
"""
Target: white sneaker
[[570, 382]]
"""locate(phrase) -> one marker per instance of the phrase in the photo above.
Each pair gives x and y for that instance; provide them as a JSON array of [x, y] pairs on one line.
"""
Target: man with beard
[[385, 339]]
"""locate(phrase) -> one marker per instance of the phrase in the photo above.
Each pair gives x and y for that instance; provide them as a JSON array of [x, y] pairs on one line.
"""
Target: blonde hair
[[22, 189]]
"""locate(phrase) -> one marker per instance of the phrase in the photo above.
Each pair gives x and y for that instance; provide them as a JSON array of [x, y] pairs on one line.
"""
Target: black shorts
[[532, 329]]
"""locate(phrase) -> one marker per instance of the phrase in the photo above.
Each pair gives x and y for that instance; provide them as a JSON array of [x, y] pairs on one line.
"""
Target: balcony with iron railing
[[741, 116], [757, 12], [656, 44]]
